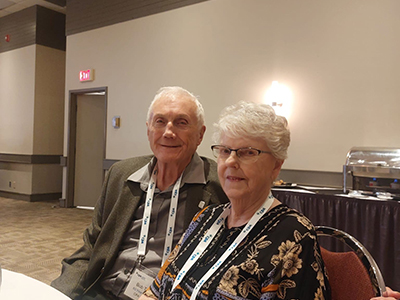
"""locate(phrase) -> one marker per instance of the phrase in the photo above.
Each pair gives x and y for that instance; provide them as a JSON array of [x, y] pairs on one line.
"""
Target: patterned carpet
[[36, 236]]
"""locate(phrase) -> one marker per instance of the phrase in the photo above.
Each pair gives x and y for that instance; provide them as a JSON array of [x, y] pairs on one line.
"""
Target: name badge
[[141, 279]]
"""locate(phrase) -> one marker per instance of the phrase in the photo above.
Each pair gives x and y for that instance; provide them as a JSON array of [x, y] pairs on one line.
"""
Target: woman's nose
[[232, 160]]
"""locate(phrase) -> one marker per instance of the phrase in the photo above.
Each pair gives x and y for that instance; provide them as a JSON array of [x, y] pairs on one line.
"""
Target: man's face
[[173, 130]]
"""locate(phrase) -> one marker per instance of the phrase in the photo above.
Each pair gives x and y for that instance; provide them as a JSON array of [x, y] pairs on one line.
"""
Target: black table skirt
[[374, 223]]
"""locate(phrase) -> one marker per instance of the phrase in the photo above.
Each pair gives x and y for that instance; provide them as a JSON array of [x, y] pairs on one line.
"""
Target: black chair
[[352, 274]]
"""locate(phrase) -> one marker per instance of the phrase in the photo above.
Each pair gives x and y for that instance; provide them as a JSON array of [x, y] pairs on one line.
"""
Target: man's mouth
[[170, 146]]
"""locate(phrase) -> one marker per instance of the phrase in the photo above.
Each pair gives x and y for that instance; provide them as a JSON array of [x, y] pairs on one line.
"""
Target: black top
[[279, 259]]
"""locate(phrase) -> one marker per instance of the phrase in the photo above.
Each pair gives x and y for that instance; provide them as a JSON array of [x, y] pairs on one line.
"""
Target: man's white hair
[[173, 92]]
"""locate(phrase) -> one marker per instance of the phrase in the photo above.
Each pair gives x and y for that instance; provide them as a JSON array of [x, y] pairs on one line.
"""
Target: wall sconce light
[[280, 98]]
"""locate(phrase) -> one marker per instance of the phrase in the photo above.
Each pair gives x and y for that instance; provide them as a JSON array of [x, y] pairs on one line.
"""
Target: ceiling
[[11, 6]]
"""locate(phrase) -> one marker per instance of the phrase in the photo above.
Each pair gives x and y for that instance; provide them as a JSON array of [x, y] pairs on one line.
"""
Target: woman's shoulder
[[213, 208], [210, 211], [205, 218], [289, 219]]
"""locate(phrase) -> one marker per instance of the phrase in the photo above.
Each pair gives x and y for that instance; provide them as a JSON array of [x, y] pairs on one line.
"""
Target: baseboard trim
[[31, 197], [30, 159]]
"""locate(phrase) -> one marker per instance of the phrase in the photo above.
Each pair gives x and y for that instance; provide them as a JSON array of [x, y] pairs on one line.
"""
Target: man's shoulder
[[208, 160], [130, 165], [210, 168], [137, 160]]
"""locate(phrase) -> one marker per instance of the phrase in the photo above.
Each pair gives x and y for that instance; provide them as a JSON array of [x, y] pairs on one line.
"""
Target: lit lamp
[[279, 97]]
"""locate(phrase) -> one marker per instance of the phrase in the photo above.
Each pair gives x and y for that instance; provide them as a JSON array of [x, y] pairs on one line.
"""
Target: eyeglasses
[[247, 154]]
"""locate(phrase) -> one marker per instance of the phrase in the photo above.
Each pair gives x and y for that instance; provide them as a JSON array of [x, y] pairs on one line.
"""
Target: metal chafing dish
[[373, 169]]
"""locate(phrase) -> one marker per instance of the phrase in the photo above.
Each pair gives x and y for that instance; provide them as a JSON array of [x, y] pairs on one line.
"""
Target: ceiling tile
[[17, 5], [61, 3], [5, 3]]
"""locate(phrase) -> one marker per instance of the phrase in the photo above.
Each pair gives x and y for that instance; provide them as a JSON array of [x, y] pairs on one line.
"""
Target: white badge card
[[141, 279]]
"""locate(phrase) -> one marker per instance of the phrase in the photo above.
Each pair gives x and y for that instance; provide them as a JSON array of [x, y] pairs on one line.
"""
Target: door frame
[[71, 141]]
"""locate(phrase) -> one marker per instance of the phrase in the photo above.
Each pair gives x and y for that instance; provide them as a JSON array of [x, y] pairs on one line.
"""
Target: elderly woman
[[254, 247]]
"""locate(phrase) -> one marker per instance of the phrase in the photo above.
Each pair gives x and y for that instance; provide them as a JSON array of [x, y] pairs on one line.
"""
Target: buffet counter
[[374, 222]]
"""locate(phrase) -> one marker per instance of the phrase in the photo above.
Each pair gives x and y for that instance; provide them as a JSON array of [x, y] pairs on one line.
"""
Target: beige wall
[[32, 100], [46, 179], [20, 176], [32, 83], [30, 179], [340, 58], [17, 88], [49, 101]]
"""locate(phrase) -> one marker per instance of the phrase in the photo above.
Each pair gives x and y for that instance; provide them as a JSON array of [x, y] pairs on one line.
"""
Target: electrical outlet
[[14, 185]]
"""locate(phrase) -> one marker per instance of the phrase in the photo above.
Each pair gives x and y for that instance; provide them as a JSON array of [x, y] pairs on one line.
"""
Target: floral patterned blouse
[[279, 259]]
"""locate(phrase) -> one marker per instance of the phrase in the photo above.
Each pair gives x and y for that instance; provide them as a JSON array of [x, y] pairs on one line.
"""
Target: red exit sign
[[86, 75]]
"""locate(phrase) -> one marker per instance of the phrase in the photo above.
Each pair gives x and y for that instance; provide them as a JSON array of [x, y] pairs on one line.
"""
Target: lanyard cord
[[144, 231], [206, 240]]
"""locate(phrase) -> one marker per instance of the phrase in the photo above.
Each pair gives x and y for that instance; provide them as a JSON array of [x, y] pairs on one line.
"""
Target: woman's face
[[247, 181]]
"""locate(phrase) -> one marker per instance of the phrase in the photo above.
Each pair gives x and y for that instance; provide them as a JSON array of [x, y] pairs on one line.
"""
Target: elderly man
[[134, 226]]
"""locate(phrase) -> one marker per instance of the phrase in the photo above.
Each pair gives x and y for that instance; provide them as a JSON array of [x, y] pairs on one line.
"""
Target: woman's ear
[[277, 169]]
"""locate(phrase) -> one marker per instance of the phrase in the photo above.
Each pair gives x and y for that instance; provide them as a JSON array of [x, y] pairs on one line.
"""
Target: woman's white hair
[[255, 121], [173, 92]]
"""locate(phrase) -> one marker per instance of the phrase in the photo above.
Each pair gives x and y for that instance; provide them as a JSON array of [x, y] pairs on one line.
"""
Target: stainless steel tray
[[372, 162]]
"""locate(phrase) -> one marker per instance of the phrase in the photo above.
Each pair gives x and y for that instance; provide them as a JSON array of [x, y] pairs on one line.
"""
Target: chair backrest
[[353, 274]]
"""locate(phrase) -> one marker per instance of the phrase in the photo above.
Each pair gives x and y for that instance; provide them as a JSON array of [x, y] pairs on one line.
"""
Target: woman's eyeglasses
[[247, 154]]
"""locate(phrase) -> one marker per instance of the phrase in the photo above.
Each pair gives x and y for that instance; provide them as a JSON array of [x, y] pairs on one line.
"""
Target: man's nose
[[169, 130]]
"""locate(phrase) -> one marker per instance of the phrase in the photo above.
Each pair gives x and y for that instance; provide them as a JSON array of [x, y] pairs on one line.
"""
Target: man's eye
[[159, 122], [182, 123]]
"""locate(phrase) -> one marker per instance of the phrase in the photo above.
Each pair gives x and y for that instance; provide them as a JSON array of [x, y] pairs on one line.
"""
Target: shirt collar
[[193, 173]]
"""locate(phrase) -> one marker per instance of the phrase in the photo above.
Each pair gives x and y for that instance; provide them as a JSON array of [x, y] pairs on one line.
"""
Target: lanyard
[[144, 231], [206, 240]]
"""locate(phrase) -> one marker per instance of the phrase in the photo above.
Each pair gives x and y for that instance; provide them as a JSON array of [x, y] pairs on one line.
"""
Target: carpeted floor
[[36, 236]]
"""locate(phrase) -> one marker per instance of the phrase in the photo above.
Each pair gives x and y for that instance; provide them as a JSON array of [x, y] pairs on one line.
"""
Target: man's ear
[[201, 134], [148, 130]]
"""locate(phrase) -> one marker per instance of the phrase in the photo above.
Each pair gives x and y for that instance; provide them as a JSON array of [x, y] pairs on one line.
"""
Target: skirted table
[[375, 223]]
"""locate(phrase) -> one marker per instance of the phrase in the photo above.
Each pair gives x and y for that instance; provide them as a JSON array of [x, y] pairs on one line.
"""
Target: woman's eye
[[249, 152], [225, 151]]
